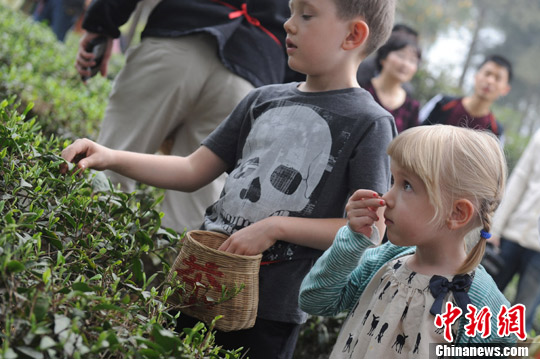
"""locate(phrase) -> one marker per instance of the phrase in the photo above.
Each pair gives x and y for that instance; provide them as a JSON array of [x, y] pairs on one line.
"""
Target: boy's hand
[[87, 154], [251, 240], [362, 211]]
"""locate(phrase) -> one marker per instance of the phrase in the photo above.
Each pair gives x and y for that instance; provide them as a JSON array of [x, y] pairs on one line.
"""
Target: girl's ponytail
[[486, 210]]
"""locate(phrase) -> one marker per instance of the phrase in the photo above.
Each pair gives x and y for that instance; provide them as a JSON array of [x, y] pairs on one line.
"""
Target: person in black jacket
[[196, 61]]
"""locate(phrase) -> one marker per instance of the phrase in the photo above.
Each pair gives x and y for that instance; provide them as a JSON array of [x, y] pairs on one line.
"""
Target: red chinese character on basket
[[209, 269], [446, 320], [478, 322], [512, 320]]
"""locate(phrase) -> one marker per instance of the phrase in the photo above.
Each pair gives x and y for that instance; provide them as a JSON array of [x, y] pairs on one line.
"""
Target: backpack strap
[[494, 125], [440, 110]]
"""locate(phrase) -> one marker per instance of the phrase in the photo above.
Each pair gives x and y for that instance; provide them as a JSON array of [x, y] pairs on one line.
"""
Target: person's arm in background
[[425, 111], [103, 17], [515, 190]]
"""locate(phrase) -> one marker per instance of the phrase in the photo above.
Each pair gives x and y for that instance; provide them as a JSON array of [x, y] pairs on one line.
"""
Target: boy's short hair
[[378, 15], [501, 61], [397, 41]]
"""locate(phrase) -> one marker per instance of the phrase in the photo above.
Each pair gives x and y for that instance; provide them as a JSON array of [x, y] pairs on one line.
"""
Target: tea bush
[[73, 282], [40, 70]]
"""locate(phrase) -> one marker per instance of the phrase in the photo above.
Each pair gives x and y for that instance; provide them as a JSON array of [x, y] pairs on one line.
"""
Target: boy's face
[[315, 36], [491, 82]]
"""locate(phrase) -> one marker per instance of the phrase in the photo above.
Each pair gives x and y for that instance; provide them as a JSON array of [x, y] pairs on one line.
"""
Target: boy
[[294, 154], [197, 60], [492, 80]]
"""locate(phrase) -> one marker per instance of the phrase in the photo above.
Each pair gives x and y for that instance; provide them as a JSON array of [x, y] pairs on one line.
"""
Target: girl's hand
[[362, 211], [87, 154], [252, 240]]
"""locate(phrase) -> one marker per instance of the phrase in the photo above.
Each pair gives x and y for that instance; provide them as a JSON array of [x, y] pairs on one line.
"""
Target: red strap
[[450, 105], [494, 127], [253, 21], [269, 262]]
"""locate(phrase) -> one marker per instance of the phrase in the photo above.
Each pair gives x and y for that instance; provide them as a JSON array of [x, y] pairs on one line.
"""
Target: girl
[[397, 61], [447, 181]]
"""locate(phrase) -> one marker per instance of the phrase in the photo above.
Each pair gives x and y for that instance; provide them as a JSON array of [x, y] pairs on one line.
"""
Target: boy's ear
[[461, 215], [358, 34]]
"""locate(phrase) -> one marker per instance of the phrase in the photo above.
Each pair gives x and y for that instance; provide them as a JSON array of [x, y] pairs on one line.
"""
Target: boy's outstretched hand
[[362, 211], [87, 154]]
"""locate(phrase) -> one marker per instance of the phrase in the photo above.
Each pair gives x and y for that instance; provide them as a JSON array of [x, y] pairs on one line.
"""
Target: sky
[[450, 50]]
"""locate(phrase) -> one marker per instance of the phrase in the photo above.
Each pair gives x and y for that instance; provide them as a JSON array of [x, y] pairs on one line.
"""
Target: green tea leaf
[[14, 266]]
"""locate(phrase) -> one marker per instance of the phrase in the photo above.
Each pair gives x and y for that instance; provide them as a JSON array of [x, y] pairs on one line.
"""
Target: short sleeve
[[370, 164], [225, 140]]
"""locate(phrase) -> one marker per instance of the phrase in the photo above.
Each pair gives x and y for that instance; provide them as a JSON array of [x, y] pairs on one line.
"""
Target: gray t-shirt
[[297, 154]]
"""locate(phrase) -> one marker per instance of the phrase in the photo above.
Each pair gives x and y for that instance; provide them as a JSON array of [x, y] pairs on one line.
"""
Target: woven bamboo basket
[[204, 270]]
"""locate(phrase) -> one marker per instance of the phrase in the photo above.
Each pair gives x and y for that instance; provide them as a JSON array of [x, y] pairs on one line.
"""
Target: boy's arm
[[171, 172], [315, 233]]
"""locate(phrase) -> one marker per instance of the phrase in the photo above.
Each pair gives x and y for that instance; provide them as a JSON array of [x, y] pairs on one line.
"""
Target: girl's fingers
[[364, 193], [372, 203], [368, 214]]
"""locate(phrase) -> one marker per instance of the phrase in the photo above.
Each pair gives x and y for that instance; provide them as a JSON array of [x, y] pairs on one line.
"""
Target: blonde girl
[[447, 181]]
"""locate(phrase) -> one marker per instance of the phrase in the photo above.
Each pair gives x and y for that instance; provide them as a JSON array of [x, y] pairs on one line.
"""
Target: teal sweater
[[342, 273]]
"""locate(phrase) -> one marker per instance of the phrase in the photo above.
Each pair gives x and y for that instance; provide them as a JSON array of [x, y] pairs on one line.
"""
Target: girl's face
[[314, 36], [401, 64], [408, 213]]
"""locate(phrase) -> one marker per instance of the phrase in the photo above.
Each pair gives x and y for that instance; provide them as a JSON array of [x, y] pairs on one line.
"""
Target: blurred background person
[[397, 62], [369, 69], [515, 230], [491, 81], [60, 15]]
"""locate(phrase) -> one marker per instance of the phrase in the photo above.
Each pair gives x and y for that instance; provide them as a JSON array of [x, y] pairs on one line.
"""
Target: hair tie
[[484, 234]]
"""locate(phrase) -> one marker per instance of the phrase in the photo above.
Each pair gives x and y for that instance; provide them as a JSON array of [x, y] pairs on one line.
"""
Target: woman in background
[[397, 61]]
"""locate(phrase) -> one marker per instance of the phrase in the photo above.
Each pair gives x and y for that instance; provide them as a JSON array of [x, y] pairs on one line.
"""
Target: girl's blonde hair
[[455, 163]]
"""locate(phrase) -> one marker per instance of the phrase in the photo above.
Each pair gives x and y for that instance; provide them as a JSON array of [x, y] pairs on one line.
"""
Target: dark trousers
[[266, 340], [55, 13], [526, 263]]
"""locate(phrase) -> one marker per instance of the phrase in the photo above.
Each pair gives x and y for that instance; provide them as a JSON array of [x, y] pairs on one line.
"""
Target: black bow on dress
[[439, 287]]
